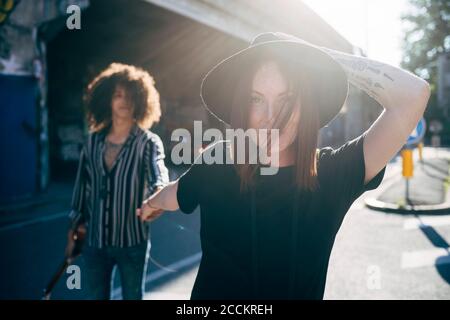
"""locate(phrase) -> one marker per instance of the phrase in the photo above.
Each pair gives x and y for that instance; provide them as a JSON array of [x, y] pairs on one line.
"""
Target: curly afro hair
[[138, 83]]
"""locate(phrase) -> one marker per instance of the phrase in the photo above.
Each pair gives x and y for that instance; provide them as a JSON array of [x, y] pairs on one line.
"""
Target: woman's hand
[[164, 199], [148, 211]]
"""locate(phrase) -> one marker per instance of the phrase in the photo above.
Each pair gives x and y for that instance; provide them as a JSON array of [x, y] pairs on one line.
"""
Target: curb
[[435, 209], [374, 204]]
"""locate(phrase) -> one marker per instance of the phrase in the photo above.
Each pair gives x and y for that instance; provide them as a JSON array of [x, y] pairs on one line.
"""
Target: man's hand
[[71, 237], [147, 212]]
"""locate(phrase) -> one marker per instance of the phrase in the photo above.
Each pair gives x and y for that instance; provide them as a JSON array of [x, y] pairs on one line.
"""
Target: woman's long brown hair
[[305, 142]]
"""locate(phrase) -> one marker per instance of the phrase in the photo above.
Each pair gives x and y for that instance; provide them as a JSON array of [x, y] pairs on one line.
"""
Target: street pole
[[407, 191], [407, 169]]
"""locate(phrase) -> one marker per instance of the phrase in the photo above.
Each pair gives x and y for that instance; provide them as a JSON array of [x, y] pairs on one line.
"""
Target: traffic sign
[[418, 133]]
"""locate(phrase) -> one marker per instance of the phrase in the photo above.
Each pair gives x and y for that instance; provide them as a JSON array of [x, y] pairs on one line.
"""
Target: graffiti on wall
[[6, 8]]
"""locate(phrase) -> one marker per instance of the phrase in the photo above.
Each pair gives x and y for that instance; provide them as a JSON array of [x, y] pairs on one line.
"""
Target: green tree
[[427, 36]]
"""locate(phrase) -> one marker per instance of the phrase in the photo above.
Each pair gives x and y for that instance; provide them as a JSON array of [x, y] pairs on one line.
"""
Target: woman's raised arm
[[403, 96]]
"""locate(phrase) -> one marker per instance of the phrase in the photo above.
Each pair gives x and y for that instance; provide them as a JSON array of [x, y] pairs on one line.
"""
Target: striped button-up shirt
[[107, 200]]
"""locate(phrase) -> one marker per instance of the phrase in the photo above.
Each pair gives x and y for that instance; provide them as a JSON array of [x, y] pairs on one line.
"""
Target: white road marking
[[424, 258], [435, 221], [357, 205], [162, 295], [191, 260]]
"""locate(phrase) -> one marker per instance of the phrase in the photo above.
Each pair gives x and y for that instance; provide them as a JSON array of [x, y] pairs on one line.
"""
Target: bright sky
[[373, 25]]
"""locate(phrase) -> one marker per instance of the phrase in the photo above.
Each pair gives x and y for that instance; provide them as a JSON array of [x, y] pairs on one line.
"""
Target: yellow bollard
[[407, 161]]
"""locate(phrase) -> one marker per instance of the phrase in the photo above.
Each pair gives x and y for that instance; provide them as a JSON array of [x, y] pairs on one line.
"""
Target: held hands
[[148, 212]]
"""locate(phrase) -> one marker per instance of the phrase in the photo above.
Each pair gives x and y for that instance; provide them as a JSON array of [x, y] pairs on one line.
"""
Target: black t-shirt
[[247, 239]]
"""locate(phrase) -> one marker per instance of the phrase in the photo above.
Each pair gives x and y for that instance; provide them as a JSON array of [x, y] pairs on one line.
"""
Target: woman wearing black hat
[[270, 236]]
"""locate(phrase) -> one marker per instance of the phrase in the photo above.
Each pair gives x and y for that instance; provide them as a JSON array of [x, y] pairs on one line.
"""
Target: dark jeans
[[131, 263]]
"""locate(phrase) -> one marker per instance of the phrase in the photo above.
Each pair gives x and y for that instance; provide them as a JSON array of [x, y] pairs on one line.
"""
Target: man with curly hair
[[121, 163]]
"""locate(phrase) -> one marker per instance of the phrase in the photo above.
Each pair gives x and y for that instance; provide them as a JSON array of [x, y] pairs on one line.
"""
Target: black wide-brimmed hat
[[329, 81]]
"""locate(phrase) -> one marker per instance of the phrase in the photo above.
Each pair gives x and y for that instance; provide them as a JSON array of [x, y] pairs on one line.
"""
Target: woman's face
[[270, 92], [121, 104]]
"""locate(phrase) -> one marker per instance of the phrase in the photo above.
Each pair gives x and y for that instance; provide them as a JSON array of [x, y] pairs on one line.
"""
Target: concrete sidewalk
[[429, 190]]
